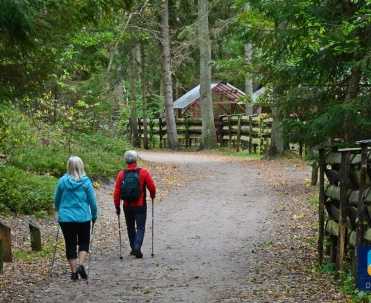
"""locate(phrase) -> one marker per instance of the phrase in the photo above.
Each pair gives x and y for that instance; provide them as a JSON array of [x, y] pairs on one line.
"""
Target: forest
[[78, 74]]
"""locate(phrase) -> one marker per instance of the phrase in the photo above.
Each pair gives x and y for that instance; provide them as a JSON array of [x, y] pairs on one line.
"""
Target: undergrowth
[[30, 172]]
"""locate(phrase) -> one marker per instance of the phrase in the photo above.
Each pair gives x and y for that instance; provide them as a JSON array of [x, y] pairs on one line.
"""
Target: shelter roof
[[227, 90], [257, 93]]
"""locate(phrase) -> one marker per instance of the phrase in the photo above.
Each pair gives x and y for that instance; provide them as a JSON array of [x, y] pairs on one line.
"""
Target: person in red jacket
[[135, 212]]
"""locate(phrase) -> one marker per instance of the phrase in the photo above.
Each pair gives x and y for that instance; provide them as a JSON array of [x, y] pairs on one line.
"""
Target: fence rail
[[236, 131], [344, 204]]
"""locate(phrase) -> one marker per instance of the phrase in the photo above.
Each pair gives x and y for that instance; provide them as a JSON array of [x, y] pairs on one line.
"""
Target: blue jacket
[[73, 199]]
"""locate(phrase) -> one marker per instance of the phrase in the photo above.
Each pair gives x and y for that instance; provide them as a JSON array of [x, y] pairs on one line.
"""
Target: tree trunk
[[132, 102], [248, 80], [356, 73], [172, 135], [144, 92], [208, 137], [277, 144]]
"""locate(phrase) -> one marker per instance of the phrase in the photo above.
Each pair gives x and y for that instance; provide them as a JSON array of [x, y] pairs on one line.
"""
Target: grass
[[242, 154], [30, 255]]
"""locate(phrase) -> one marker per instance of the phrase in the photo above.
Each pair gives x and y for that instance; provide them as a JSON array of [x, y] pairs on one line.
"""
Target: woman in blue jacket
[[76, 205]]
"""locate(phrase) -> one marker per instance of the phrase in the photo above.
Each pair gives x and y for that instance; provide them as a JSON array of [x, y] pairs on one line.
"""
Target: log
[[314, 178], [5, 236], [35, 237]]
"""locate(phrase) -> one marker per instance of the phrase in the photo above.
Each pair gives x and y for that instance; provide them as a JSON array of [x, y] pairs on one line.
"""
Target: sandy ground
[[206, 235]]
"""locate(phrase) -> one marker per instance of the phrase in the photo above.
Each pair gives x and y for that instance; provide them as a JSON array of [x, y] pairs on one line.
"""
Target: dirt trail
[[209, 230]]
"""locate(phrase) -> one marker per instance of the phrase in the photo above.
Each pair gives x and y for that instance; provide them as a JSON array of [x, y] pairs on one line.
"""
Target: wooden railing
[[236, 131], [344, 204]]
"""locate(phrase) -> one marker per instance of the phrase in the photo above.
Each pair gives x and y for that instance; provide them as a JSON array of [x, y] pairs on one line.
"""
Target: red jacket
[[144, 178]]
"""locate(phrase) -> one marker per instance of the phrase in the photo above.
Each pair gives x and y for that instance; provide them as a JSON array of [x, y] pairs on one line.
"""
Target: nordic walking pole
[[55, 249], [90, 249], [153, 208], [121, 257]]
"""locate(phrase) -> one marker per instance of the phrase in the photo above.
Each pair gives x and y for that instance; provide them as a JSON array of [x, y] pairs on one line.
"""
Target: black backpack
[[130, 186]]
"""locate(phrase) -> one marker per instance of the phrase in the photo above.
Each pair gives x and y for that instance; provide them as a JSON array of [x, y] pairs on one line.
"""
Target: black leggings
[[75, 233]]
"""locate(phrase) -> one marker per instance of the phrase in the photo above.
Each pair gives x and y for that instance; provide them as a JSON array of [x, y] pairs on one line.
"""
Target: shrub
[[28, 176], [24, 193]]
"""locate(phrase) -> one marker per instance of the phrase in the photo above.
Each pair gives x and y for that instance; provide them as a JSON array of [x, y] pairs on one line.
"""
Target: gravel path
[[214, 225]]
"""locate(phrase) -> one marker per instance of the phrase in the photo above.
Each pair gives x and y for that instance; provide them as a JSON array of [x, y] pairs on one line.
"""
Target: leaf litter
[[279, 267]]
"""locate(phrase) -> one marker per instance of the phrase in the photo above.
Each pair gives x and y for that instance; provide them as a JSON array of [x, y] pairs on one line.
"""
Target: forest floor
[[222, 229]]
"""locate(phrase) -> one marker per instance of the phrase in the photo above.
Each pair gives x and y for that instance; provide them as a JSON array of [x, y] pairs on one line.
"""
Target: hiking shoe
[[82, 272], [137, 253], [132, 253], [74, 276]]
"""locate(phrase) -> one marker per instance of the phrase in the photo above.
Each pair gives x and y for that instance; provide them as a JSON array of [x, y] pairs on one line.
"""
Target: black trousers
[[75, 233]]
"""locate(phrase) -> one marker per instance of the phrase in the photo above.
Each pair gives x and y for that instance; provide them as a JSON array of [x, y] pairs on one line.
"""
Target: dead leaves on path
[[30, 269], [288, 269]]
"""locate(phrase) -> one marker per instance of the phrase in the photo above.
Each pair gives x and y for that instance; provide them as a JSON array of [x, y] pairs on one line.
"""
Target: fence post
[[221, 130], [360, 209], [314, 177], [186, 135], [238, 133], [229, 132], [35, 237], [5, 236], [321, 205], [344, 176], [250, 134]]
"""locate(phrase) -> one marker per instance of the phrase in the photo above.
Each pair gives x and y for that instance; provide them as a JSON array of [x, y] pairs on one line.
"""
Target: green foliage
[[314, 202], [14, 129], [241, 154], [22, 192], [29, 179], [315, 54], [41, 159], [102, 156], [36, 155], [16, 20], [30, 255], [347, 284]]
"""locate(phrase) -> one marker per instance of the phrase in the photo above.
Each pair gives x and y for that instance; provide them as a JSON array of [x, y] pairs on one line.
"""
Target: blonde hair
[[75, 168]]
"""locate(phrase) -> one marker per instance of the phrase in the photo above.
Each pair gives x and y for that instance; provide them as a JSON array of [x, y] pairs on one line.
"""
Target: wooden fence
[[344, 204], [236, 131]]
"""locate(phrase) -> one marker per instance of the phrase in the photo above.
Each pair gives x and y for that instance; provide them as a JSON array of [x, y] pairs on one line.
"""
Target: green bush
[[22, 192], [41, 160], [29, 177], [102, 156]]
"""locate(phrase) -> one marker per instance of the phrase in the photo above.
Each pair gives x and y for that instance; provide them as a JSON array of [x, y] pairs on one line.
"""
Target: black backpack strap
[[144, 187]]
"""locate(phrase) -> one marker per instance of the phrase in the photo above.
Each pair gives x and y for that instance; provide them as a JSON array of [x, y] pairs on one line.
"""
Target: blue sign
[[364, 267]]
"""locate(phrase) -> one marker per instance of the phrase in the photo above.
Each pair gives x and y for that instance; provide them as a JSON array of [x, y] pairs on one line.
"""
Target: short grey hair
[[130, 156]]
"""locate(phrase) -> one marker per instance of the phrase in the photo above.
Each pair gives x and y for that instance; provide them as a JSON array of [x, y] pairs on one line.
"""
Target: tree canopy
[[68, 61], [315, 55]]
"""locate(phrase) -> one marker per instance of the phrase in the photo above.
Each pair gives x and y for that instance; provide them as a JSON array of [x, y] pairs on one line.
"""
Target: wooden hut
[[225, 97]]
